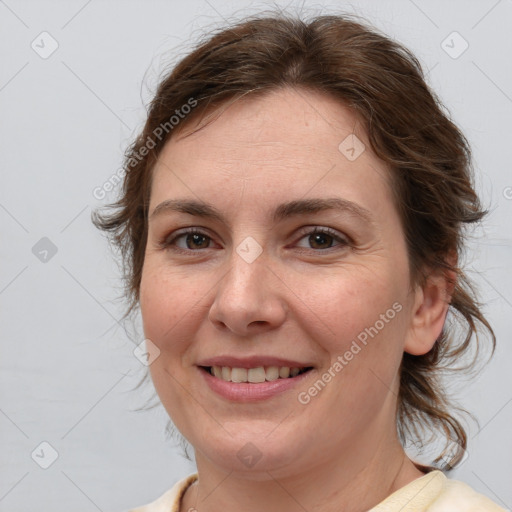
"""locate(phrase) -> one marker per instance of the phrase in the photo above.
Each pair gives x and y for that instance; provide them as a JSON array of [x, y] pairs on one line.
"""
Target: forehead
[[278, 145], [267, 123]]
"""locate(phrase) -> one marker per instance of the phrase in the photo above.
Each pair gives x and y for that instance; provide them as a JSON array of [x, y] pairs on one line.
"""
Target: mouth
[[256, 375]]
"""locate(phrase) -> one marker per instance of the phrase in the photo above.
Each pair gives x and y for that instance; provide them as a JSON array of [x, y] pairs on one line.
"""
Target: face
[[274, 241]]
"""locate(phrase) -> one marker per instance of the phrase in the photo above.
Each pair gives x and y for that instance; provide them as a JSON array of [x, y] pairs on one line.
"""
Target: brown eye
[[322, 239], [196, 241], [191, 240]]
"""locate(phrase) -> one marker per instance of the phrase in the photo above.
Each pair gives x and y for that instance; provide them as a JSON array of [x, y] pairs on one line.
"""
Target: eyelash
[[169, 243]]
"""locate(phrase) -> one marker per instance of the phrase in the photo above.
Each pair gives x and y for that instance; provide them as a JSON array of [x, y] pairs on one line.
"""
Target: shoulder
[[170, 500], [434, 492], [461, 497]]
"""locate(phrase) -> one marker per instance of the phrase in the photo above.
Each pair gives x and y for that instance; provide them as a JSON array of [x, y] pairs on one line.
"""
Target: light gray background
[[67, 366]]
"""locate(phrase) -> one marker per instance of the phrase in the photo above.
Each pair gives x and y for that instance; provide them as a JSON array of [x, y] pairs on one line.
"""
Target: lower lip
[[249, 392]]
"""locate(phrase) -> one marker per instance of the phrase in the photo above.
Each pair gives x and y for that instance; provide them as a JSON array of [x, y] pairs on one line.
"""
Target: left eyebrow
[[283, 211], [305, 206]]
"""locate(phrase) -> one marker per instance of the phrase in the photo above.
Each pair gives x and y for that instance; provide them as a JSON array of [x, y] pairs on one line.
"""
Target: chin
[[250, 453]]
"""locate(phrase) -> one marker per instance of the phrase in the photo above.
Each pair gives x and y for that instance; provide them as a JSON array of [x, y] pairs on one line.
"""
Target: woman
[[291, 220]]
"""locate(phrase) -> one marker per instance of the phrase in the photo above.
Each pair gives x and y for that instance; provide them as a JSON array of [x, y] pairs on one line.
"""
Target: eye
[[322, 238], [188, 240], [317, 238]]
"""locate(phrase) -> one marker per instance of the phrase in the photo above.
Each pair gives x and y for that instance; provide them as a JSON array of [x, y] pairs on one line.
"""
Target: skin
[[302, 299]]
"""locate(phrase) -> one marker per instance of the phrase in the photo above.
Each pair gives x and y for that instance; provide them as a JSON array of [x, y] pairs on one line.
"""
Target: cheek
[[174, 305], [344, 305], [170, 305], [168, 302], [359, 320]]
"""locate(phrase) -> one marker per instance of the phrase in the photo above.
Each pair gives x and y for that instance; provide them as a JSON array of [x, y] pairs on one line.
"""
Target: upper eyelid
[[309, 230], [186, 231], [306, 230]]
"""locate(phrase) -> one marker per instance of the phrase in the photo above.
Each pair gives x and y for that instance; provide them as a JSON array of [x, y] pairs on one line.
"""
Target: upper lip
[[251, 362]]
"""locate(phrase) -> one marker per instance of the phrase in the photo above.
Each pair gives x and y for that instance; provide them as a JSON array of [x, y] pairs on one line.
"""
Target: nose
[[249, 298]]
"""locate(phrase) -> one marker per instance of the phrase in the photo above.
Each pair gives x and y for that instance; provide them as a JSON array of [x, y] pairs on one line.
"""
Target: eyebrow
[[283, 211]]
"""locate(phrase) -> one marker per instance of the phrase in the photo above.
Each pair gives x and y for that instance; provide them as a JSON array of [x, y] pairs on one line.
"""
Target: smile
[[252, 384], [254, 375]]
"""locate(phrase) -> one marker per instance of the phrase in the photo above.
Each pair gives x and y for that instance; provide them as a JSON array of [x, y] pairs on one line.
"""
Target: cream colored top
[[433, 492]]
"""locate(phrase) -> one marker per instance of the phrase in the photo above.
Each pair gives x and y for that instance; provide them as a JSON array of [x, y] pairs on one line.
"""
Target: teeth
[[284, 372], [225, 373], [272, 373], [254, 375], [238, 375]]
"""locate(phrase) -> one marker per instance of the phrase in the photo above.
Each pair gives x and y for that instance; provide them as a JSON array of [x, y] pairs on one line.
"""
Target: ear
[[431, 303]]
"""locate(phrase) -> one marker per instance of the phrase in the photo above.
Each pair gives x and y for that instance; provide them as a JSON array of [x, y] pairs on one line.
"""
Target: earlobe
[[432, 300]]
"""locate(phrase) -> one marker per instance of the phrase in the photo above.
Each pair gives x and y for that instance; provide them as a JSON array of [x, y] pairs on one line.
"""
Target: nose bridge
[[246, 276], [247, 297]]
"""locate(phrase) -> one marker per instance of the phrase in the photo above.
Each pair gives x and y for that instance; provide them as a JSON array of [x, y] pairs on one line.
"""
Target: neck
[[336, 484]]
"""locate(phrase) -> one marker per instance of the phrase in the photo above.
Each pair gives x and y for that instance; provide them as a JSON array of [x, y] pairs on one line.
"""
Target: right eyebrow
[[192, 207]]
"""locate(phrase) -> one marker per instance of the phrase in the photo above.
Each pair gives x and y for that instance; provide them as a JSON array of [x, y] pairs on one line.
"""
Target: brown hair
[[429, 158]]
